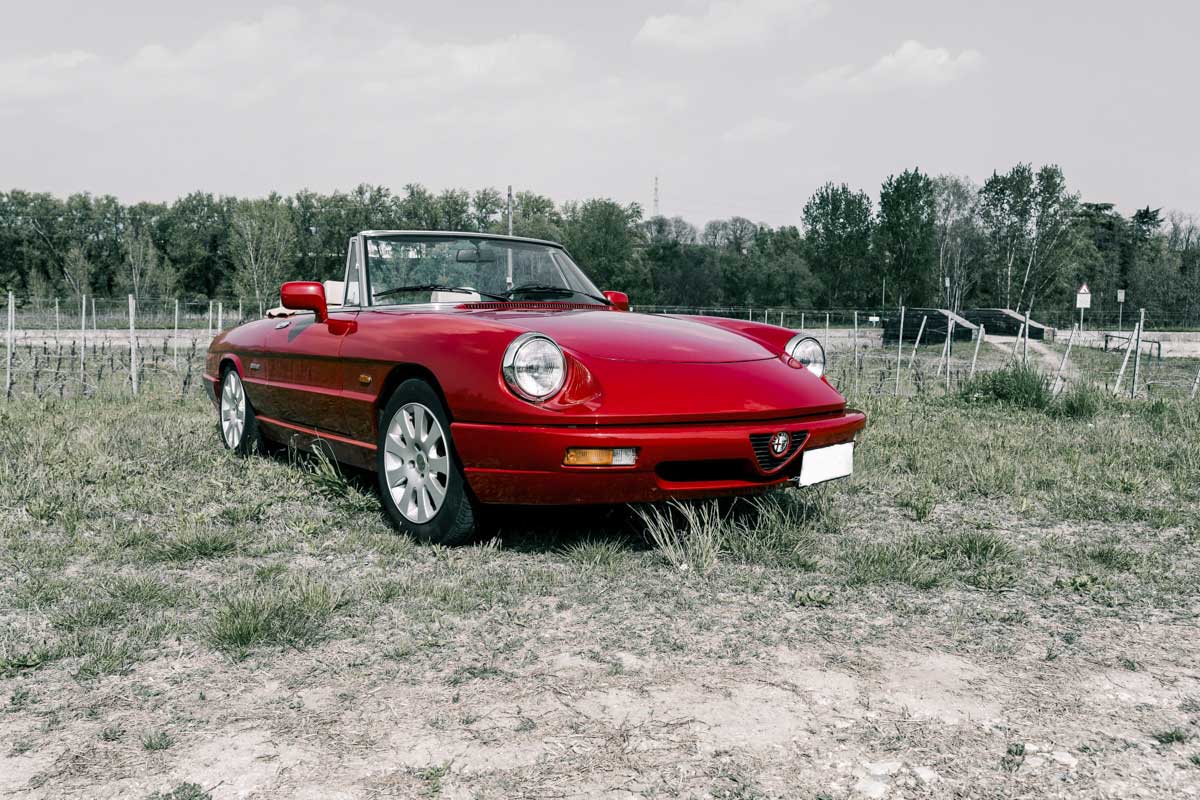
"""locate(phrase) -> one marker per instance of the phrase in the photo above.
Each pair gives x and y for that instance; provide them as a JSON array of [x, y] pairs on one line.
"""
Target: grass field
[[1002, 602]]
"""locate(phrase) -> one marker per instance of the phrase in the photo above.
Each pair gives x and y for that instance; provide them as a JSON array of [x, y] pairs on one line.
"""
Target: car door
[[303, 370]]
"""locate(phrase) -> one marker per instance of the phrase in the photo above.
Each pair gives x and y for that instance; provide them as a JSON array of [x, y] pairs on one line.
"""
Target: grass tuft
[[1019, 386], [290, 613]]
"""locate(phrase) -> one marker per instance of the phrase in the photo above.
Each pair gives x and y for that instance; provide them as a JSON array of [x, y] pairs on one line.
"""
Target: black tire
[[454, 520], [248, 440]]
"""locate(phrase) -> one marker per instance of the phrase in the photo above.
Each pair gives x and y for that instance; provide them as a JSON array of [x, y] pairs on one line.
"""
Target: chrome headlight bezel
[[807, 351], [514, 369]]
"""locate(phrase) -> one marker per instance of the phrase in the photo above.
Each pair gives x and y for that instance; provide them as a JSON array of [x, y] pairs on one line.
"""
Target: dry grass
[[172, 617]]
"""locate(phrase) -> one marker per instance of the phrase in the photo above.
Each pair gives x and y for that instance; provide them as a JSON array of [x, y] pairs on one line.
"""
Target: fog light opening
[[600, 457]]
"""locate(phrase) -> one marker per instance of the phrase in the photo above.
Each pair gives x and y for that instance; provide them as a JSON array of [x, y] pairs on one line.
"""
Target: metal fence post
[[917, 343], [133, 374], [220, 316], [1124, 361], [827, 331], [899, 350], [1025, 340], [949, 344], [175, 339], [82, 339], [57, 327], [210, 318], [978, 341], [1195, 386], [93, 313], [1137, 355], [8, 359], [1054, 387]]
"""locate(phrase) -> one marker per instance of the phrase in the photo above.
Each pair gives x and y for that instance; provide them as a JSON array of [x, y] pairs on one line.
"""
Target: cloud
[[757, 129], [727, 23], [286, 53], [42, 76], [911, 64]]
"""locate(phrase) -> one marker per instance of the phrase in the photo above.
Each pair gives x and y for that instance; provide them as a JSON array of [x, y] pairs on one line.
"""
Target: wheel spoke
[[439, 465], [437, 491]]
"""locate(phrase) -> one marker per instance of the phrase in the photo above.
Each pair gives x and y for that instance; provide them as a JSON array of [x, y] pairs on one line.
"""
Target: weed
[[112, 733], [157, 740], [184, 791], [595, 553], [433, 777], [1171, 736], [195, 544], [688, 535], [1081, 401]]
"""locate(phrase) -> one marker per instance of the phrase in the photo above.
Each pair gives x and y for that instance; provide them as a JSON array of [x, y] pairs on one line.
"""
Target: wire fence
[[141, 347]]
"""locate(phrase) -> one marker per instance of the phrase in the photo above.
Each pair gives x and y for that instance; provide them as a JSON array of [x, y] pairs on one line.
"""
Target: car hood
[[637, 337]]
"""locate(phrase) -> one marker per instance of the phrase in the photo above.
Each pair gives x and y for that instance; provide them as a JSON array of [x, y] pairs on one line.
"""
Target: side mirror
[[620, 300], [305, 296]]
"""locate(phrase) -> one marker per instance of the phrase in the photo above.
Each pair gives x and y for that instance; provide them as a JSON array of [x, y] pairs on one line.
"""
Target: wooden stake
[[133, 375], [917, 343], [974, 358], [899, 350]]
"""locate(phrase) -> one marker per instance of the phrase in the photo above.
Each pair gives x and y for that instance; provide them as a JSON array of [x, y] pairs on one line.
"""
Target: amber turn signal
[[600, 457]]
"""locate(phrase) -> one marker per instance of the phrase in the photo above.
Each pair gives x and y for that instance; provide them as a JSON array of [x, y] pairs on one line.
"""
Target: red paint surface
[[682, 389]]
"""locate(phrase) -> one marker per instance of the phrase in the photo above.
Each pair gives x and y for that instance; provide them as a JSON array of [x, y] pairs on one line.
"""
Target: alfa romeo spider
[[469, 369]]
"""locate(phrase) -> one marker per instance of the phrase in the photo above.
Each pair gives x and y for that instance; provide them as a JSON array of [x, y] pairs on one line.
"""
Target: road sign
[[1083, 298], [1120, 295]]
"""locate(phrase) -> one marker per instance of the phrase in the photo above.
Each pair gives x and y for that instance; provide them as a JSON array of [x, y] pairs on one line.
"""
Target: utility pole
[[510, 233], [656, 195]]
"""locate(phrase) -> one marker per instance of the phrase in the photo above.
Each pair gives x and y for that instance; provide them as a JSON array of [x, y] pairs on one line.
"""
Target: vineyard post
[[82, 338], [133, 375], [1054, 387], [1124, 361], [978, 341], [220, 316], [826, 330], [917, 343], [175, 339], [56, 325], [1021, 332], [1137, 354], [210, 318], [1195, 386], [801, 320], [8, 358], [1025, 340], [93, 313], [949, 343], [899, 350]]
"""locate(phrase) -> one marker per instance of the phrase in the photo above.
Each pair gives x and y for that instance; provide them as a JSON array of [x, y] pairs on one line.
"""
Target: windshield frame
[[558, 255]]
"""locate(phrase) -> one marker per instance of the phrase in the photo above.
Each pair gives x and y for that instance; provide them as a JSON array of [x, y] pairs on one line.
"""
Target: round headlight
[[807, 351], [534, 367]]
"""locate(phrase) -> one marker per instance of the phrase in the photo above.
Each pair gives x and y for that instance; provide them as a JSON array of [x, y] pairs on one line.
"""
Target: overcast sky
[[738, 106]]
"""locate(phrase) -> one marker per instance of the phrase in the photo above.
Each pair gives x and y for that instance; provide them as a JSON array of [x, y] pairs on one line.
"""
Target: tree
[[603, 236], [957, 237], [146, 273], [262, 242], [906, 236], [837, 230], [77, 271]]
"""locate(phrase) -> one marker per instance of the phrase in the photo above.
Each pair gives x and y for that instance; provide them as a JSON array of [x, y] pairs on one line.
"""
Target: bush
[[1020, 386]]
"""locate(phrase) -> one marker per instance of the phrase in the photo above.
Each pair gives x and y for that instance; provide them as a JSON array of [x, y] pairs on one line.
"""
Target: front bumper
[[518, 464]]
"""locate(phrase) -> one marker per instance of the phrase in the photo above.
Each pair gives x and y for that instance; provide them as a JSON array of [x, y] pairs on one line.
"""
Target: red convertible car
[[468, 369]]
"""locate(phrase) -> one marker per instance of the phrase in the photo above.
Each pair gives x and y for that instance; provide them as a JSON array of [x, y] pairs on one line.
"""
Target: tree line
[[1021, 240]]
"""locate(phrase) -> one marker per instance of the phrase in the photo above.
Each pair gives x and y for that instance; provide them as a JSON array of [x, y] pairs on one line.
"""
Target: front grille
[[769, 462]]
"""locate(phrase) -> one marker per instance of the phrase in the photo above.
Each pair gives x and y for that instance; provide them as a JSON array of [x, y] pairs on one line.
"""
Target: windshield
[[409, 270]]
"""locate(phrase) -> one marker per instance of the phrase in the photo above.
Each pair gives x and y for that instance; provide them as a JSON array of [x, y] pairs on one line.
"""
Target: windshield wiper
[[539, 288], [437, 287]]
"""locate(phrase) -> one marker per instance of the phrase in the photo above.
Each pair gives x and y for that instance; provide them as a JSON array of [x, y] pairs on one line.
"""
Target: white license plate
[[826, 463]]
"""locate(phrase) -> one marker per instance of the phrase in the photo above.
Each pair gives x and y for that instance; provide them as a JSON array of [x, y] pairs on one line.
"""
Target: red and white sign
[[1083, 298]]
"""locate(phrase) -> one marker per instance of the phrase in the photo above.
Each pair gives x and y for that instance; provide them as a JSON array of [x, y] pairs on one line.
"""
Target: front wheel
[[421, 483], [237, 423]]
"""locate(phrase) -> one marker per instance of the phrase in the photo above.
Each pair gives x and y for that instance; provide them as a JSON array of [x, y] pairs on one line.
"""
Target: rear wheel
[[237, 423], [421, 483]]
